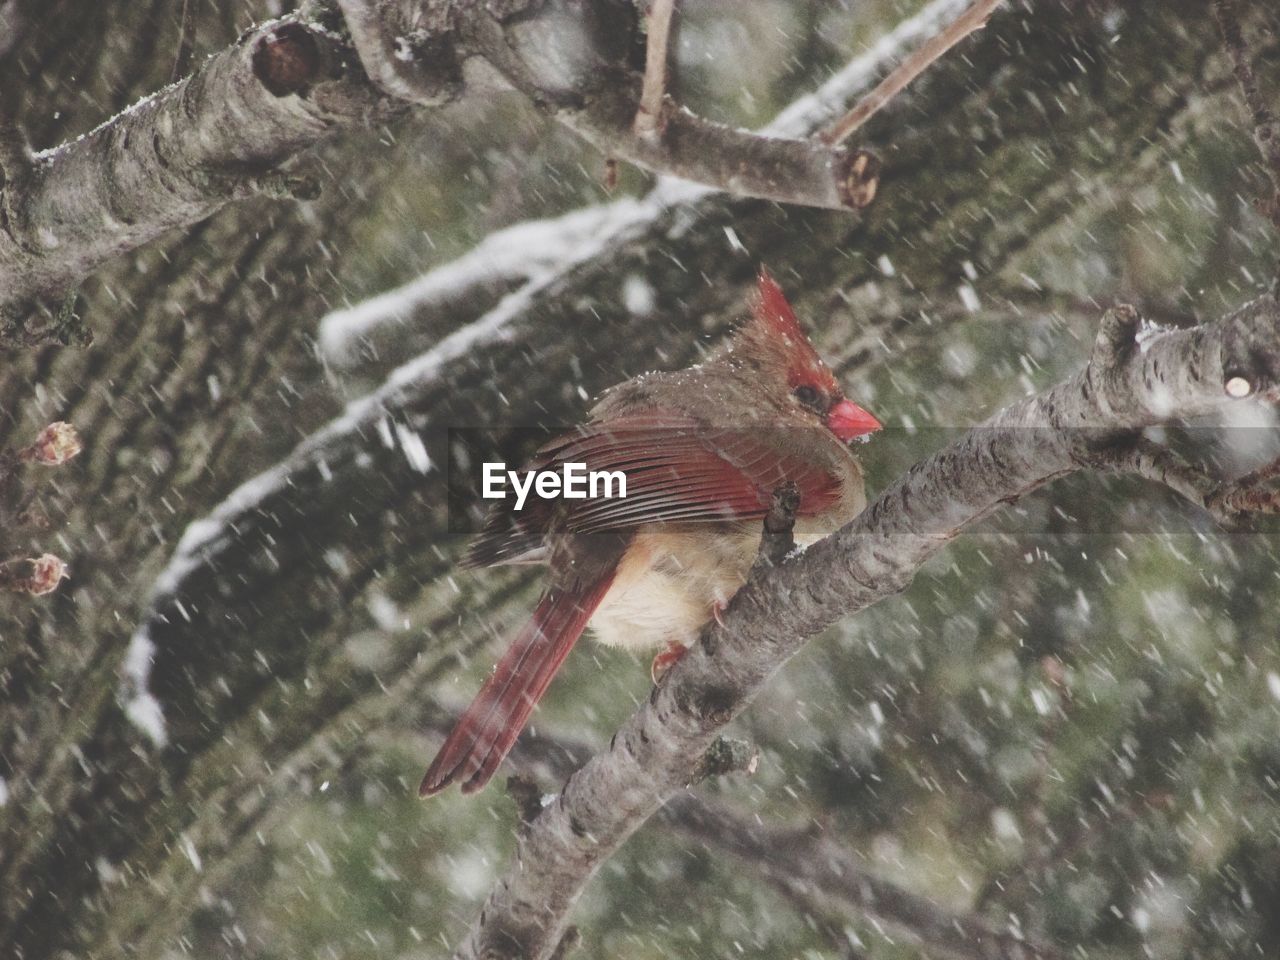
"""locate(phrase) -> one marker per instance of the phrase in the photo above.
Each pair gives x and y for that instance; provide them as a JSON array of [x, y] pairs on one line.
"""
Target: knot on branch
[[287, 60], [527, 796], [726, 755]]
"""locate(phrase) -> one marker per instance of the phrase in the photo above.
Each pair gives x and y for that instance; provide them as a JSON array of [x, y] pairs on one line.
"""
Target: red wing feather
[[677, 470]]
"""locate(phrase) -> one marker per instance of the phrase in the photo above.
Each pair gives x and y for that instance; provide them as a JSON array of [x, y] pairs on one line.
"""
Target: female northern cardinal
[[702, 449]]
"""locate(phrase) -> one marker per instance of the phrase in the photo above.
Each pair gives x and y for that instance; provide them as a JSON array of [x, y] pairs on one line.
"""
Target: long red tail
[[485, 733]]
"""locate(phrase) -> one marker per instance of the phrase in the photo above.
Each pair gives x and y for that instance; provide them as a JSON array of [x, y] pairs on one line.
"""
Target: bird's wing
[[677, 470]]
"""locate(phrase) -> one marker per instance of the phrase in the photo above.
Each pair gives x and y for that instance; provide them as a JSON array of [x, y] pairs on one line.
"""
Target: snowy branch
[[561, 62], [223, 133], [407, 319], [1028, 444], [537, 249], [974, 18], [172, 159]]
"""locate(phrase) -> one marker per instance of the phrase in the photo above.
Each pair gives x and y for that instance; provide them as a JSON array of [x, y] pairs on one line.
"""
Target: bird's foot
[[667, 659]]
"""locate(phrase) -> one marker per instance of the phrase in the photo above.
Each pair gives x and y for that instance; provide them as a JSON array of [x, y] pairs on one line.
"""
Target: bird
[[702, 449]]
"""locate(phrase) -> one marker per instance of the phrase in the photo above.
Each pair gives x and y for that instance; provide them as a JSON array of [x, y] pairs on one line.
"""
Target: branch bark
[[179, 155], [558, 60], [175, 157], [1231, 502], [1026, 445]]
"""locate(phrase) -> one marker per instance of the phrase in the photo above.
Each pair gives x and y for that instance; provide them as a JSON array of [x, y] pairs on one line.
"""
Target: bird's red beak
[[848, 421]]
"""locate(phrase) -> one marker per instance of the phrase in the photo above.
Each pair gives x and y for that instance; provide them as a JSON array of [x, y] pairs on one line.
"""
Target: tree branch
[[1028, 444], [220, 135], [974, 18], [813, 869], [648, 121], [176, 157], [1232, 503], [560, 61], [805, 863], [1266, 131], [392, 58]]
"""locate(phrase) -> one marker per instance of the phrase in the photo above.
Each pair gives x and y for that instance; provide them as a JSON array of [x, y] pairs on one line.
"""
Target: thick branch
[[1025, 446], [391, 58], [175, 157]]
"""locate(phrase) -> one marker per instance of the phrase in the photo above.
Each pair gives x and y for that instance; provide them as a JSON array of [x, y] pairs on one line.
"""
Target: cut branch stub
[[34, 575], [286, 60], [1249, 362], [858, 178]]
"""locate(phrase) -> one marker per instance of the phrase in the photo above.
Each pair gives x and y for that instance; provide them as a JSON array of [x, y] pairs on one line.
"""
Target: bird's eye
[[808, 395]]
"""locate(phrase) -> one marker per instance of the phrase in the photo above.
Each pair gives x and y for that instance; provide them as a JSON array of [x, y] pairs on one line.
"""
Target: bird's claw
[[667, 659]]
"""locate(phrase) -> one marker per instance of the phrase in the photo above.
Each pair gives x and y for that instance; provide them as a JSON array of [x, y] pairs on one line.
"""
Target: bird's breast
[[669, 581]]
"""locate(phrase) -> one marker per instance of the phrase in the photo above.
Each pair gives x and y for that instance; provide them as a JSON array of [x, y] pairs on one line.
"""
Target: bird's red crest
[[775, 325]]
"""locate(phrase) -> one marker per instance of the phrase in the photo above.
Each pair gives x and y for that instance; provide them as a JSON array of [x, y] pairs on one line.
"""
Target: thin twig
[[1231, 503], [973, 19], [777, 538], [648, 122], [1266, 132], [817, 873], [186, 42]]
